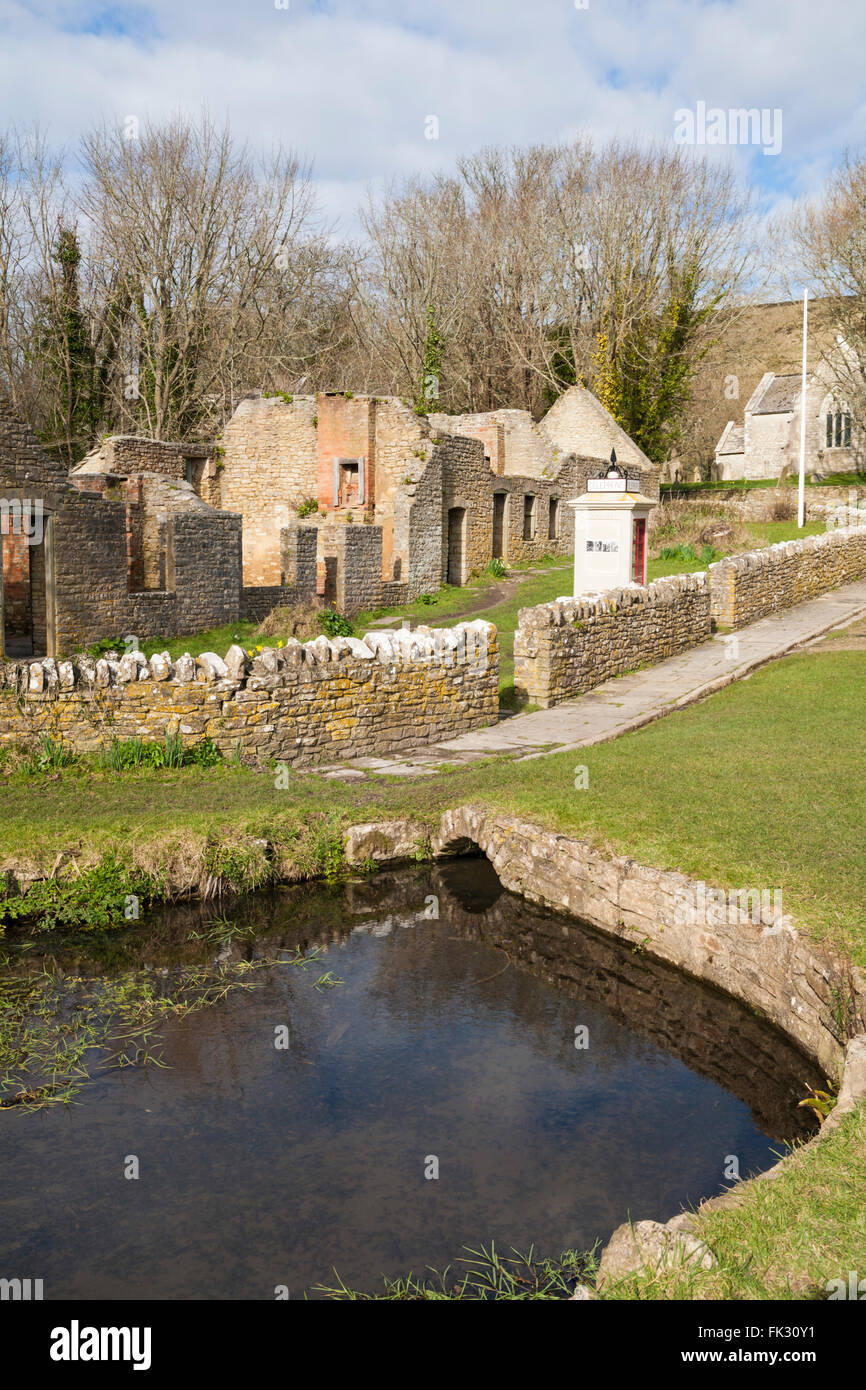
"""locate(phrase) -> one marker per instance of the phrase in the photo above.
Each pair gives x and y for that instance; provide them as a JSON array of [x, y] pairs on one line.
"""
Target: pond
[[452, 1066]]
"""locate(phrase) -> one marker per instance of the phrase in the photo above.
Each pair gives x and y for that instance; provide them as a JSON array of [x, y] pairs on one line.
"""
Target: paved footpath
[[628, 702]]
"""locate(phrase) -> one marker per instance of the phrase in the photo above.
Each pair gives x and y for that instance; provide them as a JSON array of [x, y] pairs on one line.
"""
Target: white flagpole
[[801, 491]]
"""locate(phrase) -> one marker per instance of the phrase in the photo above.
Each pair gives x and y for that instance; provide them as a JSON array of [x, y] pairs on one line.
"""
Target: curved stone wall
[[815, 997]]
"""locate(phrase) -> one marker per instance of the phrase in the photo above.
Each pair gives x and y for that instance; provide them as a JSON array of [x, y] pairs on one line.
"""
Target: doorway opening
[[639, 552], [456, 545], [529, 517], [24, 590], [500, 500]]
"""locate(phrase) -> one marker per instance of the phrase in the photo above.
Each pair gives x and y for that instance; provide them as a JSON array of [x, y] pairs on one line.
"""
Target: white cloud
[[349, 84]]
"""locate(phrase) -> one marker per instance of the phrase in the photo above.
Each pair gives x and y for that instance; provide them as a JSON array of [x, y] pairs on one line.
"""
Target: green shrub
[[123, 754], [204, 754], [497, 568], [100, 648], [309, 507], [335, 624], [95, 899]]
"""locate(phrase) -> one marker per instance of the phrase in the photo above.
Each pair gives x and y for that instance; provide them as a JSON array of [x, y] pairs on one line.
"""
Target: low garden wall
[[566, 647], [300, 704], [751, 586]]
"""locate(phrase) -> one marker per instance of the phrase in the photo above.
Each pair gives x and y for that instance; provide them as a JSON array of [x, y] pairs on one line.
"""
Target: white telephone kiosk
[[610, 531]]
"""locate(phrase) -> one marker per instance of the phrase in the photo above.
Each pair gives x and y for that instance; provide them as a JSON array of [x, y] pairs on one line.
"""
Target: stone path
[[629, 701]]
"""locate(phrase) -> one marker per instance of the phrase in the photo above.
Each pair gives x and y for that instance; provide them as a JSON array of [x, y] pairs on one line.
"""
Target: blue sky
[[349, 83]]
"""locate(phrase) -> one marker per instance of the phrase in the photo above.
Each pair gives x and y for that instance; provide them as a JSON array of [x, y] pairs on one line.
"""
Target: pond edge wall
[[794, 982]]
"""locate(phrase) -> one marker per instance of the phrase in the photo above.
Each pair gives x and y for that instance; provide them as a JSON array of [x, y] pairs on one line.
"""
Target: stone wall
[[303, 704], [417, 542], [792, 981], [467, 485], [359, 571], [751, 586], [125, 454], [142, 555], [564, 648], [400, 446], [513, 442], [766, 503], [266, 470]]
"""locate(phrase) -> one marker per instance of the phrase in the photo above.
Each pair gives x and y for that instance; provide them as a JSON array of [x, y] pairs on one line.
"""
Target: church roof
[[733, 441], [780, 397]]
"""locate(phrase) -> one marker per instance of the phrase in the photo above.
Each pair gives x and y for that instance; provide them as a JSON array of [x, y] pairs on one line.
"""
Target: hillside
[[751, 341]]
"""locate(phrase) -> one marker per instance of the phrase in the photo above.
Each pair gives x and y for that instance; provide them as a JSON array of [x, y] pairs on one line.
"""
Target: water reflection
[[453, 1035]]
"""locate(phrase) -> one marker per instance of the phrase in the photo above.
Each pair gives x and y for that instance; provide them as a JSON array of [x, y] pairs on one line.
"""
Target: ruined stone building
[[768, 440], [355, 500], [123, 546], [427, 500]]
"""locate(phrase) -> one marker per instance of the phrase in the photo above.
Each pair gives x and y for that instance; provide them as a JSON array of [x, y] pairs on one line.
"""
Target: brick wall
[[346, 430], [747, 587], [16, 578], [307, 703], [564, 648]]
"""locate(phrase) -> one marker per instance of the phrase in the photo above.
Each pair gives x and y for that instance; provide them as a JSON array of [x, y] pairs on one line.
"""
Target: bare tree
[[551, 265], [828, 236], [209, 244]]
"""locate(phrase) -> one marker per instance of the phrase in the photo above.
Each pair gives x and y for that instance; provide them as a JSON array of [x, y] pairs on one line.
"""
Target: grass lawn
[[787, 1238], [752, 484], [771, 532], [759, 786]]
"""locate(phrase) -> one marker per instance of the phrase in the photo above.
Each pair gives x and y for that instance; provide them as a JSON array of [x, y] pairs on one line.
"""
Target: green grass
[[759, 484], [787, 1238], [772, 532], [775, 762]]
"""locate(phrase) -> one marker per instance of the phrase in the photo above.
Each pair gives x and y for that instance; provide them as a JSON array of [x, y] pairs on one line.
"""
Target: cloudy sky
[[352, 83]]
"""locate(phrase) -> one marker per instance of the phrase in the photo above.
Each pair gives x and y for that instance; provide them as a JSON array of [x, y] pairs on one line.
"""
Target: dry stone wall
[[794, 982], [302, 704], [751, 586], [566, 647]]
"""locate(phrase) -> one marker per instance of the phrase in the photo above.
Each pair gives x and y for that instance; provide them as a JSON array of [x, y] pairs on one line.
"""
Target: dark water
[[450, 1037]]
